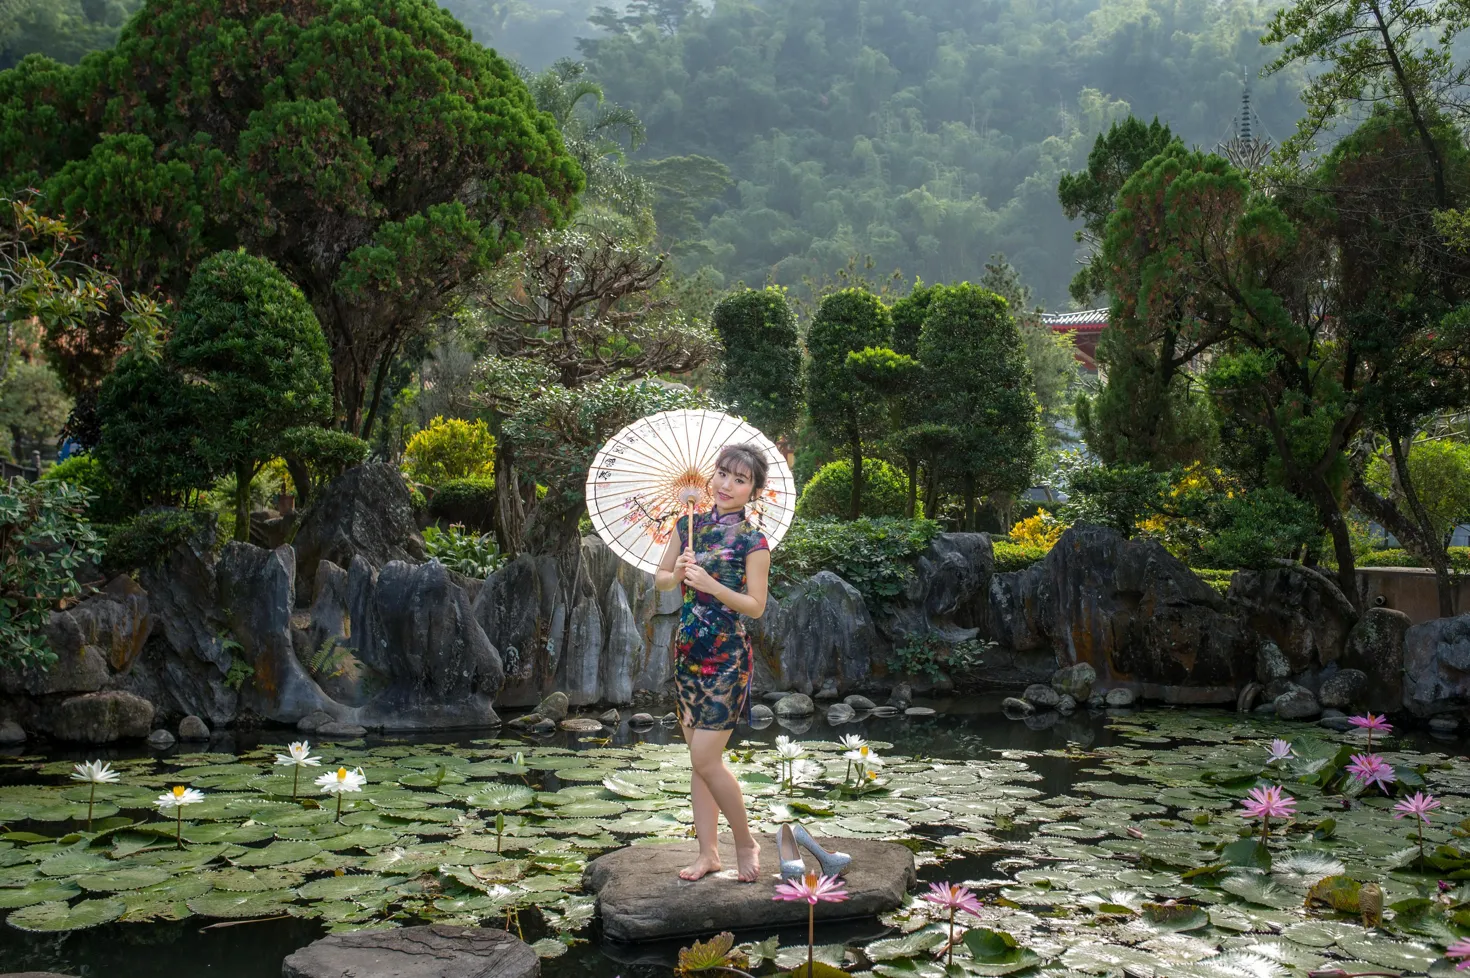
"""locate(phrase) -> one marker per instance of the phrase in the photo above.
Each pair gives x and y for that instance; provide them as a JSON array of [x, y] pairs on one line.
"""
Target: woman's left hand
[[699, 579]]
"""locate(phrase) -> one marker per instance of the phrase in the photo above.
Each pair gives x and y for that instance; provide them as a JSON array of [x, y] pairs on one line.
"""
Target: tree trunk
[[385, 363], [1441, 193], [510, 508], [969, 484], [931, 492], [1438, 557], [300, 480], [856, 504], [244, 475], [913, 473], [1347, 576]]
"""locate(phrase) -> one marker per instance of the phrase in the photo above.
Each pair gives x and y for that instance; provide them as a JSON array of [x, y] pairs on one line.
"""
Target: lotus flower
[[954, 898], [813, 889], [1268, 803], [1372, 769], [1371, 723], [341, 781], [1280, 751], [1419, 805], [297, 757], [175, 800], [1459, 951], [787, 753], [94, 773], [865, 758], [851, 741]]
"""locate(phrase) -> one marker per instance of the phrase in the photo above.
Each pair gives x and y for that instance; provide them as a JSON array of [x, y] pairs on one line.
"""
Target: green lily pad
[[277, 854], [123, 879], [227, 832], [343, 887], [501, 797], [240, 906], [58, 916], [41, 891]]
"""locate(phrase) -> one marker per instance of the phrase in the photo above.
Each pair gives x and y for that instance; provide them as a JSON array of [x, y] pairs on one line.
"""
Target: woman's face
[[732, 487]]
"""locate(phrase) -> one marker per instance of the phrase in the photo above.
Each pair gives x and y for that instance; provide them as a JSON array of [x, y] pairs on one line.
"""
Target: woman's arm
[[671, 568], [752, 603]]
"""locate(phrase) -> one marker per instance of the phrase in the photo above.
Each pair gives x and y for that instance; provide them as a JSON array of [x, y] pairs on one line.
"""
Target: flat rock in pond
[[435, 951], [641, 897], [34, 974]]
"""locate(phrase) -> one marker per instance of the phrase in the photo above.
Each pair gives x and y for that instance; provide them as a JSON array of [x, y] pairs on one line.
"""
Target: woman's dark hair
[[745, 457]]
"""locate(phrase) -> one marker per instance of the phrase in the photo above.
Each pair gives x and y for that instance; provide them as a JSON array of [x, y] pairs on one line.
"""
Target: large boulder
[[1376, 646], [1129, 609], [948, 594], [826, 632], [1437, 666], [256, 590], [1298, 609], [1344, 689], [99, 636], [518, 611], [365, 511], [101, 718], [1075, 681], [415, 627], [428, 951]]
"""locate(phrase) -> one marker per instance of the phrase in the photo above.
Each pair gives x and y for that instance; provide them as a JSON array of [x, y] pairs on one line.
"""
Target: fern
[[329, 660]]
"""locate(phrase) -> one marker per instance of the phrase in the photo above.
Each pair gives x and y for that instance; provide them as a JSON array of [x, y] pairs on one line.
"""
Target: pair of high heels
[[792, 867]]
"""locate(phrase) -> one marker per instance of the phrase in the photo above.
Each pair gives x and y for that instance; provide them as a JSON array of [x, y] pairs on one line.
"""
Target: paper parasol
[[646, 476]]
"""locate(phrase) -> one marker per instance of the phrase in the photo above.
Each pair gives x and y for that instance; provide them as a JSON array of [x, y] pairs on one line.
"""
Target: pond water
[[1071, 833]]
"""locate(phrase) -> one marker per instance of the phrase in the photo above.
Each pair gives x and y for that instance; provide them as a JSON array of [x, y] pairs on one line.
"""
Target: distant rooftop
[[1097, 318]]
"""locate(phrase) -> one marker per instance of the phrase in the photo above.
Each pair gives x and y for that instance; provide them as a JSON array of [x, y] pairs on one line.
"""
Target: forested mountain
[[926, 133]]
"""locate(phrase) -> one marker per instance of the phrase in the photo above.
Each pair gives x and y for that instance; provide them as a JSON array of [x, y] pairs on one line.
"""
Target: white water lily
[[788, 749], [298, 757], [96, 772], [175, 801], [866, 760], [852, 742], [341, 781]]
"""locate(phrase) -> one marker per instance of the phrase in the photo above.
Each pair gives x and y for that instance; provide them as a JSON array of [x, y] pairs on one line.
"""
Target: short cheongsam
[[713, 658]]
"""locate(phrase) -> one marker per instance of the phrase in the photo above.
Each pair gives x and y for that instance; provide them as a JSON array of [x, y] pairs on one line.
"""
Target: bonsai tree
[[249, 337]]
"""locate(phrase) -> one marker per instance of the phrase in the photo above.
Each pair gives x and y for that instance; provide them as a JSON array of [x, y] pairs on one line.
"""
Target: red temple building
[[1084, 327]]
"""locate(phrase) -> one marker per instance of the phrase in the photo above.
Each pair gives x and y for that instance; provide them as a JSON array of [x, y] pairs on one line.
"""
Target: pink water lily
[[1372, 769], [954, 897], [813, 889], [1268, 803], [1419, 804], [1460, 950], [1372, 724], [1280, 750]]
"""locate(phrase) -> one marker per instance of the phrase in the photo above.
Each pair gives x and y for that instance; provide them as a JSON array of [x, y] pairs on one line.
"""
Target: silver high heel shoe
[[833, 863], [792, 868]]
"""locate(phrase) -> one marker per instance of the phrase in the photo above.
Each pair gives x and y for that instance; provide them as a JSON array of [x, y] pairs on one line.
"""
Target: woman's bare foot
[[748, 860], [704, 864]]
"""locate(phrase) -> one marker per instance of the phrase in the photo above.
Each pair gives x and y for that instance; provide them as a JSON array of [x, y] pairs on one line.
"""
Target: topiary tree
[[316, 456], [152, 432], [842, 408], [979, 387], [250, 338], [369, 148], [762, 358], [829, 493], [450, 448]]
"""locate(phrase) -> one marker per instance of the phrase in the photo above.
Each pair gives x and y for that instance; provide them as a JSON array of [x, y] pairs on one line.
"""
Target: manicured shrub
[[1042, 530], [873, 555], [1015, 556], [86, 472], [148, 538], [450, 448], [1395, 557], [470, 502], [885, 491], [315, 456]]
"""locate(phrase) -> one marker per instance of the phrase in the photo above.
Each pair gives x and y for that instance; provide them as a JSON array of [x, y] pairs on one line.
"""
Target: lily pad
[[277, 854], [41, 891], [58, 916], [123, 879], [230, 905]]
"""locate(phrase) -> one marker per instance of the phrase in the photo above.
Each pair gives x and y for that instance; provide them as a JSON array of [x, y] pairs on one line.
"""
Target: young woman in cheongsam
[[724, 571]]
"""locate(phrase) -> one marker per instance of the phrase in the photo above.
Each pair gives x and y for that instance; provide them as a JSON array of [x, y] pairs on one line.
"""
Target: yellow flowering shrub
[[1042, 530], [450, 448]]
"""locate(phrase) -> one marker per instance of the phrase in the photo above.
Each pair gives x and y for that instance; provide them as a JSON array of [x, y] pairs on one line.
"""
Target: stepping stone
[[640, 896], [435, 951], [33, 974], [919, 711]]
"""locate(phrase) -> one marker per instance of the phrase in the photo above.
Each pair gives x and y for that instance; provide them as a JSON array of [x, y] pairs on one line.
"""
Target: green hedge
[[873, 555], [1459, 559], [147, 539], [1014, 556], [885, 491], [1217, 579], [470, 502]]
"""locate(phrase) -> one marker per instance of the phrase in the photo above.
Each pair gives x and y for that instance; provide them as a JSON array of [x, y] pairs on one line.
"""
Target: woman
[[724, 570]]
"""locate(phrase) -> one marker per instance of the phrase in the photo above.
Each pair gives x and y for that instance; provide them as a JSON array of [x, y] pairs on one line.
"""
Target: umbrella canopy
[[646, 475]]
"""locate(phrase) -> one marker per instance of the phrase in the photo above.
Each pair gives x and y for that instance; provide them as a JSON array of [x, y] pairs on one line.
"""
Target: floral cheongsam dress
[[713, 659]]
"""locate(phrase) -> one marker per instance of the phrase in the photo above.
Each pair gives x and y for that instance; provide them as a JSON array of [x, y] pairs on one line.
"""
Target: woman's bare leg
[[706, 825], [707, 756]]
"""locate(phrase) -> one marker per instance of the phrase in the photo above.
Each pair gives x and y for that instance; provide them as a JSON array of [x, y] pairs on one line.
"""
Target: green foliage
[[329, 660], [251, 339], [315, 456], [470, 502], [44, 541], [843, 410], [1440, 473], [1014, 556], [1090, 194], [934, 659], [978, 385], [885, 491], [469, 554], [153, 432], [147, 539], [33, 407], [1215, 578], [450, 448], [419, 186], [1394, 557], [1253, 528], [762, 361], [873, 555], [60, 29], [88, 474], [240, 670], [1115, 496], [1052, 356], [928, 135]]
